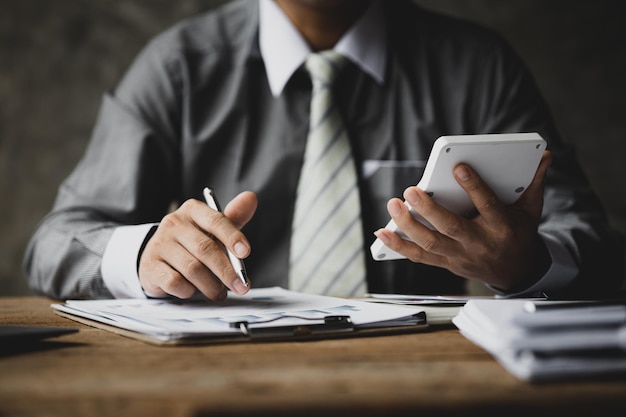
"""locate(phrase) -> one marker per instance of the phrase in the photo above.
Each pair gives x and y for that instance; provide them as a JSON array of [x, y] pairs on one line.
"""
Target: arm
[[112, 186], [566, 222], [131, 173]]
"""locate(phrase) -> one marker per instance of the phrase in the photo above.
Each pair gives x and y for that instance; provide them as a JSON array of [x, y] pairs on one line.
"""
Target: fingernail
[[240, 288], [241, 249], [393, 207], [462, 173], [411, 196], [381, 236]]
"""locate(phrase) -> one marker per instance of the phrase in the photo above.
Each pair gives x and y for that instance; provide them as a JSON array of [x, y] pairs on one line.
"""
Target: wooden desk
[[96, 373]]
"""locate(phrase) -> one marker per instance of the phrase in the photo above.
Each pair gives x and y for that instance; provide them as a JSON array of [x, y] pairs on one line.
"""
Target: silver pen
[[238, 266]]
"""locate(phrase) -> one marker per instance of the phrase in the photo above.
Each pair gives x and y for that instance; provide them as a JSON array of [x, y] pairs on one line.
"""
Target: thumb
[[241, 208]]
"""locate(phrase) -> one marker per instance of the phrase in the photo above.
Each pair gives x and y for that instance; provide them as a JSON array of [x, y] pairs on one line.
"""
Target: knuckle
[[453, 228], [426, 207], [206, 246], [193, 268], [410, 250], [188, 205], [430, 244], [213, 222], [229, 233], [174, 283], [170, 220], [414, 256], [169, 280], [487, 203], [218, 221]]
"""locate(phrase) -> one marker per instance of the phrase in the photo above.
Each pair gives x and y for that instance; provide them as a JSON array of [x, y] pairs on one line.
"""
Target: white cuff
[[561, 272], [119, 263]]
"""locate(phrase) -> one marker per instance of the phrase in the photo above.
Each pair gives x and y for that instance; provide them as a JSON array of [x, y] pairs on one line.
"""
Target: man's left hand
[[500, 246]]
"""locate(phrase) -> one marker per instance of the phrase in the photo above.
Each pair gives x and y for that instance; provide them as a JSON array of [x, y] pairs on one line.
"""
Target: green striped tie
[[327, 255]]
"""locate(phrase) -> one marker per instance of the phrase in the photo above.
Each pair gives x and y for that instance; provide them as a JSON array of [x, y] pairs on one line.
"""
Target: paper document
[[439, 309], [548, 339], [265, 308], [452, 300]]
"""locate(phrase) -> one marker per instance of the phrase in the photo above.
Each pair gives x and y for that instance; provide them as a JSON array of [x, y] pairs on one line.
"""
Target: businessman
[[230, 99]]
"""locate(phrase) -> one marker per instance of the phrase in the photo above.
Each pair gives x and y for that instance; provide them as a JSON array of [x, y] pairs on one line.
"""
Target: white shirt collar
[[284, 49]]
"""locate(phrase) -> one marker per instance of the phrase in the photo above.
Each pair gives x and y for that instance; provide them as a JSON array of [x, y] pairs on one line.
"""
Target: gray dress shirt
[[195, 110]]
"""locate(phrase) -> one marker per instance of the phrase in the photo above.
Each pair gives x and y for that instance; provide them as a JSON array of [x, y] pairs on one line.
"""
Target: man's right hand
[[186, 252]]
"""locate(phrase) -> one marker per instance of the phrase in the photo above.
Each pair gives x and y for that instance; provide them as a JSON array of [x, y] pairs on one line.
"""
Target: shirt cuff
[[119, 262], [562, 271]]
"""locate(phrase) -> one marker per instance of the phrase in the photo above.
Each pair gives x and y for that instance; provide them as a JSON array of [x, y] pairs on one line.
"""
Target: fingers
[[187, 251], [205, 239], [492, 247], [450, 226], [452, 232], [167, 268], [241, 208], [426, 245], [220, 228], [449, 234], [180, 257], [484, 199]]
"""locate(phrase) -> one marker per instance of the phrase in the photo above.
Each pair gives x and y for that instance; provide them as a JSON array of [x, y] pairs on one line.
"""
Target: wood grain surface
[[436, 372]]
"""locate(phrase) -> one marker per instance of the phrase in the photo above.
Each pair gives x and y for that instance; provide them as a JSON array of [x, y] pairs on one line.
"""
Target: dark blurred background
[[57, 57]]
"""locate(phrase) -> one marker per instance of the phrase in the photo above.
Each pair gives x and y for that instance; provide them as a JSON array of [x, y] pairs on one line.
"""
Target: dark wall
[[58, 56]]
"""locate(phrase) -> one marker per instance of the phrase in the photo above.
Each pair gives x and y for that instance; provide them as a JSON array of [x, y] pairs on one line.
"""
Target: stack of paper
[[540, 340], [264, 313]]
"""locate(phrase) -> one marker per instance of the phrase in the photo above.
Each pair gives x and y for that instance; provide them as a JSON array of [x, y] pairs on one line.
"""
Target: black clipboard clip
[[330, 325]]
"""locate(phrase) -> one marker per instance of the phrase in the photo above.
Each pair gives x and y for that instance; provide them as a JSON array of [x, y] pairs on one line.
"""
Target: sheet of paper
[[264, 307], [549, 343], [416, 299], [440, 310]]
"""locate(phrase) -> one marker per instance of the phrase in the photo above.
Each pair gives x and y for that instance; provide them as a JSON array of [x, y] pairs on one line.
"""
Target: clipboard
[[269, 314]]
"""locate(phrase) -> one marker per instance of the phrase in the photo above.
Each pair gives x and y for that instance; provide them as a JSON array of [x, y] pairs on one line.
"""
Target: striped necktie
[[327, 238]]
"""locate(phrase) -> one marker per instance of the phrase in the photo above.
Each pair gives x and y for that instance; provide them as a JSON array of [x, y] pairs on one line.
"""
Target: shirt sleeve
[[586, 252], [128, 175], [119, 262], [561, 273]]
